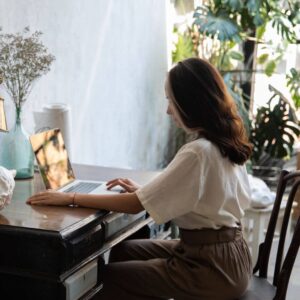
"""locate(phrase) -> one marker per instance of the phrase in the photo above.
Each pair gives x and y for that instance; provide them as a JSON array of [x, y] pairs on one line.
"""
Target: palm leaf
[[284, 27]]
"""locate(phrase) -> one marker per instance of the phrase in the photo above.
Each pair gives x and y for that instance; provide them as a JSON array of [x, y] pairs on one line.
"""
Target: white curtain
[[111, 62]]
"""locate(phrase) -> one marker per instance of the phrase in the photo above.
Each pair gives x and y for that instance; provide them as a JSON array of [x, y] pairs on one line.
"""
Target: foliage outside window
[[227, 32]]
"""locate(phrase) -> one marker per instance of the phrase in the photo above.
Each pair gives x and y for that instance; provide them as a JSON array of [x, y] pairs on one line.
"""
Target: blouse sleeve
[[175, 191]]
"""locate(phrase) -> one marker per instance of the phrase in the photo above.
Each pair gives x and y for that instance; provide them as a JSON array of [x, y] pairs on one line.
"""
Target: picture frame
[[3, 123]]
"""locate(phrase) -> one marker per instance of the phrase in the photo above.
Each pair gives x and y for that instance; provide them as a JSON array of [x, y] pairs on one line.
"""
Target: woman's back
[[199, 189]]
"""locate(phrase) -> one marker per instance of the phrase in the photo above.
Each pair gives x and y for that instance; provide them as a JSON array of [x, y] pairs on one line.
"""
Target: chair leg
[[258, 235]]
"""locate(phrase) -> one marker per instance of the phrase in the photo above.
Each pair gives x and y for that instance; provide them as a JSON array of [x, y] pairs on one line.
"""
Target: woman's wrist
[[73, 199]]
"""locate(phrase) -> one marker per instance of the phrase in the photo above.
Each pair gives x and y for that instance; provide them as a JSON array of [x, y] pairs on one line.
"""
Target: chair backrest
[[286, 270], [261, 266]]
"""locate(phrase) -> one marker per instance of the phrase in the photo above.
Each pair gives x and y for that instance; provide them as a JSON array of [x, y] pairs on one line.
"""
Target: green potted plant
[[274, 131]]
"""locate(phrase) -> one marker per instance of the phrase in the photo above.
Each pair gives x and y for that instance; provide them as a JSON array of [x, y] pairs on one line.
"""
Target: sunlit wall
[[111, 61]]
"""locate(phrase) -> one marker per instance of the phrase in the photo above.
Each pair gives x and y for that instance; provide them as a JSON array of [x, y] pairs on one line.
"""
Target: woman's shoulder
[[199, 146]]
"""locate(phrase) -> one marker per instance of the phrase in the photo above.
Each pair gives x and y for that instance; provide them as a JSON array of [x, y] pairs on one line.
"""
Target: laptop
[[55, 167]]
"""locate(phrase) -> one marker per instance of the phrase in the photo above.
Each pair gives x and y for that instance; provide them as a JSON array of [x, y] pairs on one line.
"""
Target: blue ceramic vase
[[16, 152]]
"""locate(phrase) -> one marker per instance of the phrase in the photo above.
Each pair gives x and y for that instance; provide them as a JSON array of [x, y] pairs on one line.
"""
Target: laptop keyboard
[[82, 187]]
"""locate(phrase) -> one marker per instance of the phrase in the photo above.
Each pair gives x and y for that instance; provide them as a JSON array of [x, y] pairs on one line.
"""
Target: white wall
[[111, 61]]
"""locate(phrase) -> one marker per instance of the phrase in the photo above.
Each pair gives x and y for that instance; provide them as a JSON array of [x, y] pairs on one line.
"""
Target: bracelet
[[73, 200]]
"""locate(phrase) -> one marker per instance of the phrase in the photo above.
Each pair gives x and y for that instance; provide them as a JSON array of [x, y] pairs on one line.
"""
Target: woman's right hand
[[51, 197], [128, 185]]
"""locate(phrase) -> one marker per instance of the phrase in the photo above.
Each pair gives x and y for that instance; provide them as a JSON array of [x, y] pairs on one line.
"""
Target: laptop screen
[[52, 158]]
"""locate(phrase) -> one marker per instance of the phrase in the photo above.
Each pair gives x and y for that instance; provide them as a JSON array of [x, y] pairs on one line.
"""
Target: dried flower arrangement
[[23, 59]]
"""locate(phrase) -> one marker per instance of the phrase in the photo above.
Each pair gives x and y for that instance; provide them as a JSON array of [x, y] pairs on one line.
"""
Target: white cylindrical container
[[55, 115]]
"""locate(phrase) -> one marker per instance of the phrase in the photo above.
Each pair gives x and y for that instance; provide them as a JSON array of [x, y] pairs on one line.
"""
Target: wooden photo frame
[[3, 124]]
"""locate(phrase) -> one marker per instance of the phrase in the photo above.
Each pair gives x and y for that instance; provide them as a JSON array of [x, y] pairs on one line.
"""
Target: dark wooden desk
[[41, 247]]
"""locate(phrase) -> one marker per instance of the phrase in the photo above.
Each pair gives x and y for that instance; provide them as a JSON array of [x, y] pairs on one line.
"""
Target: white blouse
[[199, 189]]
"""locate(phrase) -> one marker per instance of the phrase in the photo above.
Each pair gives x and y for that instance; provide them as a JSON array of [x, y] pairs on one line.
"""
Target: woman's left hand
[[51, 197], [128, 185]]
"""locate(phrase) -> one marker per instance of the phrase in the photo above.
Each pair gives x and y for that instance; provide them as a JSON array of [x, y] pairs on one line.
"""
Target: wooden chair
[[260, 288]]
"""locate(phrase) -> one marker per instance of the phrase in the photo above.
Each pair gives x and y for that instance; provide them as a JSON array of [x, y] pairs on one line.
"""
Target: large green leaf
[[260, 31], [184, 48], [236, 55], [270, 67], [235, 5], [294, 17], [258, 20], [254, 7], [216, 24], [262, 58]]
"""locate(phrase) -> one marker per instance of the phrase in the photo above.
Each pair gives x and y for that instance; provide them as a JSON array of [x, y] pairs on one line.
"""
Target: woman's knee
[[142, 249], [121, 252]]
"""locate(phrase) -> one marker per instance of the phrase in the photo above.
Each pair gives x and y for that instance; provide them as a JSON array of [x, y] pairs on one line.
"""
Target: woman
[[203, 190]]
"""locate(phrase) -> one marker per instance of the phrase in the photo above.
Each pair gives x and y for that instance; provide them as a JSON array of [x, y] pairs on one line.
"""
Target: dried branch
[[23, 59]]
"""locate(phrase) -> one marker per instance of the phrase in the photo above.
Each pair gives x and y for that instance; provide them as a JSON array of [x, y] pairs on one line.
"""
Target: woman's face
[[171, 110]]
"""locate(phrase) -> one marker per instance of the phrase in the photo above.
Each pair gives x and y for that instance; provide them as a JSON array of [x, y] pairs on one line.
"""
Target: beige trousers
[[203, 264]]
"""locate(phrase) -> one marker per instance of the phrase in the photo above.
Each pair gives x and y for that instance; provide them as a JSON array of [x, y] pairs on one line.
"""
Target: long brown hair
[[204, 105]]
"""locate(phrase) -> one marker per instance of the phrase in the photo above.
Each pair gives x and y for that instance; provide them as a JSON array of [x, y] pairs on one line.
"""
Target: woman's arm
[[125, 202]]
